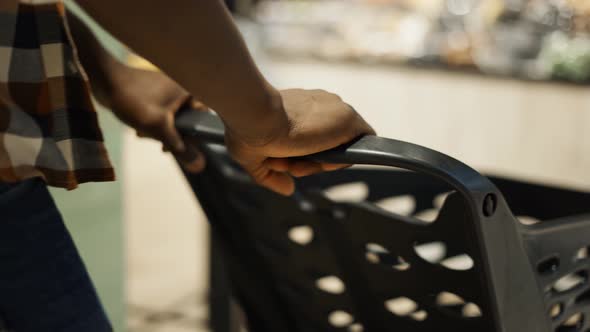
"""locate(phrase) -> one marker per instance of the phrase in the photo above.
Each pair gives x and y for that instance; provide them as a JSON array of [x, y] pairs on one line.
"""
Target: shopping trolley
[[374, 262]]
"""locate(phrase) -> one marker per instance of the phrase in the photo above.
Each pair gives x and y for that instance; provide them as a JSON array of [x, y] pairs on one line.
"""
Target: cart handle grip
[[368, 150]]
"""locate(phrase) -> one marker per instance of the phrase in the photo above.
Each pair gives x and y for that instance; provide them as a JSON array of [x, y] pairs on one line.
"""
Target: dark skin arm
[[197, 44], [143, 99]]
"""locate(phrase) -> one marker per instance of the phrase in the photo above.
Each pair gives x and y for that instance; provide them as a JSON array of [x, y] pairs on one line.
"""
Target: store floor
[[539, 132], [166, 243]]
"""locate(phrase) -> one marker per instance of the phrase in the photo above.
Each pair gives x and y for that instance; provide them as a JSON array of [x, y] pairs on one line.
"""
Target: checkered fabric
[[48, 125]]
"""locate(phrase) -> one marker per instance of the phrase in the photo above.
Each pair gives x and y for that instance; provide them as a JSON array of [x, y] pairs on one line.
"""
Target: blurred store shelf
[[528, 39], [539, 132]]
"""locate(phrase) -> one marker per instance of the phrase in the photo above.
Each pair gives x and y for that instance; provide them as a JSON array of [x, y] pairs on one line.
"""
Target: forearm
[[132, 94], [98, 62], [197, 44]]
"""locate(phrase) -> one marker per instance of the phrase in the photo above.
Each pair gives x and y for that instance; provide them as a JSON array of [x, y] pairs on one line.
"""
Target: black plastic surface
[[378, 255]]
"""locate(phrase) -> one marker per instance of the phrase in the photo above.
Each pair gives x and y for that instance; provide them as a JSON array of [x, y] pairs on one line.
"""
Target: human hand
[[305, 122], [147, 101]]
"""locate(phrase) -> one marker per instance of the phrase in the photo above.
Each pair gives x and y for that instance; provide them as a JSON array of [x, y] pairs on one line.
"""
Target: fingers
[[195, 104], [300, 168], [188, 156], [277, 164], [165, 132], [192, 160], [170, 136], [278, 182], [277, 173], [366, 129], [296, 168], [195, 166], [334, 167]]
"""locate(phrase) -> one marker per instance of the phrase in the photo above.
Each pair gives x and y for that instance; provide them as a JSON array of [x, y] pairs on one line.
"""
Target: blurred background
[[528, 39], [497, 84]]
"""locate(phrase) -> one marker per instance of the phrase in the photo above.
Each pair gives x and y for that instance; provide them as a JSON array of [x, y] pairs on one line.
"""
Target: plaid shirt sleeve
[[48, 125]]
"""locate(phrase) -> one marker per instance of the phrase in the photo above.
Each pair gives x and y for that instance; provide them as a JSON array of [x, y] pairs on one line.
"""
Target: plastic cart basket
[[310, 263]]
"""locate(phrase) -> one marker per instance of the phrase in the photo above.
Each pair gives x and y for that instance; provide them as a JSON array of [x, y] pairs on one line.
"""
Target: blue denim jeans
[[44, 285]]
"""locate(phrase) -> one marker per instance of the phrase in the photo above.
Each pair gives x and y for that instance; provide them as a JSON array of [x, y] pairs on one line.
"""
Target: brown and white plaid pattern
[[48, 125]]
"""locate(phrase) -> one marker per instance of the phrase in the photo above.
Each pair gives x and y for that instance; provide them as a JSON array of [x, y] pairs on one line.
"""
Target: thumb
[[189, 156], [170, 136]]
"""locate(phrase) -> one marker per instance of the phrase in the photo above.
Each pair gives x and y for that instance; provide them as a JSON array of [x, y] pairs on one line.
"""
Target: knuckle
[[150, 123], [319, 91], [259, 175]]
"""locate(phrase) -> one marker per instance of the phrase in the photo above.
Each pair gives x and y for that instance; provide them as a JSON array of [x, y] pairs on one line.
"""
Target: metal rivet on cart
[[490, 204], [306, 206], [338, 214]]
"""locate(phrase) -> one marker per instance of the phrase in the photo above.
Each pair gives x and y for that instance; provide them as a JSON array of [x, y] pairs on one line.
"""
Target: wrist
[[261, 123]]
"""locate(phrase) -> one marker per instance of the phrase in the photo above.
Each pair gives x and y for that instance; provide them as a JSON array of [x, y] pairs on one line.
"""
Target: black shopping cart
[[375, 262]]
